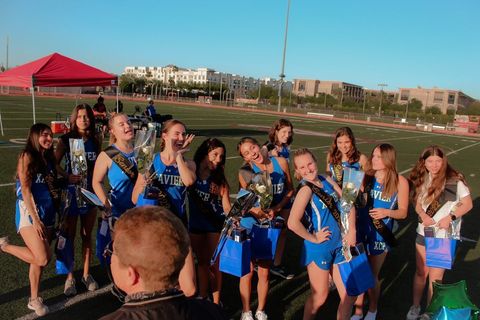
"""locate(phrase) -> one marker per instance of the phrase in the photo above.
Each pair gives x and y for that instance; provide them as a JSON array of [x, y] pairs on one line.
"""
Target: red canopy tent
[[56, 70]]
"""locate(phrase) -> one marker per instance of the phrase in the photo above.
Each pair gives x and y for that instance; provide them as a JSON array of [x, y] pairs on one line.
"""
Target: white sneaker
[[69, 289], [247, 316], [37, 306], [90, 283], [261, 315], [413, 313], [425, 316], [370, 316]]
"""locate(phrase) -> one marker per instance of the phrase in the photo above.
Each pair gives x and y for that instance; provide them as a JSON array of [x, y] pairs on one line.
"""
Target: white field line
[[7, 184], [395, 279], [69, 302]]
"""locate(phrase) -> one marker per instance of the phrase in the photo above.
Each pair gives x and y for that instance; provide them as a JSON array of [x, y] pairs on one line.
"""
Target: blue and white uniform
[[197, 221], [319, 216], [170, 181], [372, 240], [345, 164], [121, 186], [41, 197], [91, 155], [285, 152], [278, 179]]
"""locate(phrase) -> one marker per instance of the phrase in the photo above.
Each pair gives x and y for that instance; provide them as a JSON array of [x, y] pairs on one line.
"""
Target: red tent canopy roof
[[56, 70]]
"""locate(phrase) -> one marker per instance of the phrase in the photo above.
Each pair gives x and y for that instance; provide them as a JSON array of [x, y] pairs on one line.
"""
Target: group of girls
[[202, 184]]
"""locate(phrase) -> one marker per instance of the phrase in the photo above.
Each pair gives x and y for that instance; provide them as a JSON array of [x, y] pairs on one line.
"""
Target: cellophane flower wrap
[[352, 181], [78, 161], [144, 149], [261, 185]]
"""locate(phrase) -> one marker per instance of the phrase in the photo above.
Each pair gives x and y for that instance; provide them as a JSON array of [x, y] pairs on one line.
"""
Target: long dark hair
[[217, 175], [90, 132], [39, 157], [419, 173], [335, 155]]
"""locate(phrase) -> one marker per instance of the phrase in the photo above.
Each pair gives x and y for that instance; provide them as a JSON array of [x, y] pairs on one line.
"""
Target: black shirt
[[173, 306]]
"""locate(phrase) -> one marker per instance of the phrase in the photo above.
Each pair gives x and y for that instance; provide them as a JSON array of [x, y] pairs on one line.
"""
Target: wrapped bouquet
[[261, 186], [78, 161], [144, 149], [352, 181]]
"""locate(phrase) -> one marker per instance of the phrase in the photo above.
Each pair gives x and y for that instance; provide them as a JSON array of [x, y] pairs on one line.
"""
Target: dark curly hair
[[217, 175]]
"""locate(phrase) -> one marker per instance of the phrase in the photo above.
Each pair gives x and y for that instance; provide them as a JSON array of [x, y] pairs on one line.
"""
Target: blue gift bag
[[453, 314], [264, 242], [235, 257], [356, 274], [103, 239], [64, 252], [440, 252]]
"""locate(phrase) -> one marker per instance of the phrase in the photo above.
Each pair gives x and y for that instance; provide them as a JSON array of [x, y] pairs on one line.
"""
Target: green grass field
[[286, 298]]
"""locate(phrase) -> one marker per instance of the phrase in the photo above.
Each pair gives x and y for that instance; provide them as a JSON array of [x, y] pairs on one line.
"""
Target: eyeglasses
[[116, 291], [108, 251]]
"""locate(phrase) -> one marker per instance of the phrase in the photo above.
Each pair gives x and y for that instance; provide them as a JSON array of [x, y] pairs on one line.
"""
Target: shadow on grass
[[98, 272], [227, 132]]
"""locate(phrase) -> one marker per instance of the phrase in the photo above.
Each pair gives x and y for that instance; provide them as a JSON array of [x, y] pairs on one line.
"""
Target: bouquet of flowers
[[352, 180], [78, 161], [261, 186]]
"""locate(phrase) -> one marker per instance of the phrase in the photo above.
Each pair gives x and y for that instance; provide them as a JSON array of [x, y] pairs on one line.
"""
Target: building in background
[[444, 99], [237, 84], [312, 88]]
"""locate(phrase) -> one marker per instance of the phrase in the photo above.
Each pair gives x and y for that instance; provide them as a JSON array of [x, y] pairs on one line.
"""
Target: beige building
[[443, 99], [306, 87]]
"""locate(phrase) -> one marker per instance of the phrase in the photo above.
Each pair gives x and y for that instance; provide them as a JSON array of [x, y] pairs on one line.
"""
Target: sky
[[408, 43]]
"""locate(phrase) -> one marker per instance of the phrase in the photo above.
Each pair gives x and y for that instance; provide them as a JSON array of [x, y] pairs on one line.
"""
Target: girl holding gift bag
[[82, 126], [279, 173], [440, 196], [171, 174], [209, 199], [322, 247], [37, 202], [344, 153], [387, 199]]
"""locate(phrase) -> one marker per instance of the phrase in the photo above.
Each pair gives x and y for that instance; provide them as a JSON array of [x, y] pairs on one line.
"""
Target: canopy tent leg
[[33, 103], [117, 97], [1, 124]]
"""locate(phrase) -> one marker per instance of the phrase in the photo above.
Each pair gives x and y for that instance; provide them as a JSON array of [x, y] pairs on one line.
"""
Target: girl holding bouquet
[[209, 200], [171, 174], [277, 168], [344, 153], [440, 196], [82, 126], [387, 200], [322, 247], [37, 202], [280, 137]]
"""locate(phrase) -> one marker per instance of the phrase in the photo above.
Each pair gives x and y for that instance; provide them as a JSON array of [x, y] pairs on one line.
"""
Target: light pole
[[382, 85], [282, 73], [364, 100]]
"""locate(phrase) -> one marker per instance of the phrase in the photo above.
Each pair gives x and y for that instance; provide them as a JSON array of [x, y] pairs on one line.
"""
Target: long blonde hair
[[167, 125], [389, 159]]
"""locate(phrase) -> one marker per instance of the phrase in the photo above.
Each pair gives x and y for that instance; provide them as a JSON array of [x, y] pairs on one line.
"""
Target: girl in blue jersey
[[121, 138], [344, 153], [280, 137], [82, 126], [173, 174], [279, 172], [322, 237], [433, 177], [209, 200], [387, 193], [35, 208]]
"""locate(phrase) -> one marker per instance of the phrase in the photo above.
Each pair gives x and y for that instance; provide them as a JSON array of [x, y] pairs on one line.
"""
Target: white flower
[[350, 185], [261, 188]]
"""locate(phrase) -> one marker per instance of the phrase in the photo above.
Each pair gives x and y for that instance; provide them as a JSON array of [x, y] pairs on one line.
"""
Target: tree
[[433, 110], [472, 109]]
